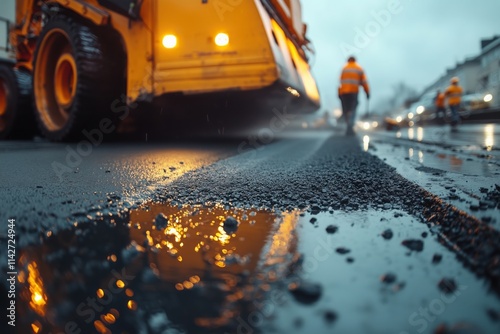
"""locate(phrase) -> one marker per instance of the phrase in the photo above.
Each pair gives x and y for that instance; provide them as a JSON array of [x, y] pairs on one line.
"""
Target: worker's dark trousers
[[441, 114], [349, 105], [455, 117]]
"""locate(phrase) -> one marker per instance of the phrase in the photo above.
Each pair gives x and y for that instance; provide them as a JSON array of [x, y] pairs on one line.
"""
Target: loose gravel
[[337, 176]]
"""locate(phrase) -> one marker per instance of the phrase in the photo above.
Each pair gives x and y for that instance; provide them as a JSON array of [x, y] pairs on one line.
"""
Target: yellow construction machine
[[77, 61]]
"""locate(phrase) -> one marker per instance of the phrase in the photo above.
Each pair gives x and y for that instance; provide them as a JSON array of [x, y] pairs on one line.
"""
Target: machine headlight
[[488, 98], [222, 39], [169, 41]]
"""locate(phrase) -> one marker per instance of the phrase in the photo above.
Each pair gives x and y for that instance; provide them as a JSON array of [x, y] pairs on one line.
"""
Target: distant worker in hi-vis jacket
[[351, 78], [454, 96], [439, 101]]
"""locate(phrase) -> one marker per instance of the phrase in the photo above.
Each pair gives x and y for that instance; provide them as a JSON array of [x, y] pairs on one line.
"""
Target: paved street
[[249, 167], [455, 166], [314, 232]]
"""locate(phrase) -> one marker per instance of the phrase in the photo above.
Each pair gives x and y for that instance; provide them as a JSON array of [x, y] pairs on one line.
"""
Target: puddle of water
[[186, 271], [428, 169], [455, 163], [440, 160], [353, 290], [477, 136]]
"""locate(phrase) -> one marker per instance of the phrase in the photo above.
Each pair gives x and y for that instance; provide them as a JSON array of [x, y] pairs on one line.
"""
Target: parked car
[[370, 122], [398, 120], [475, 102], [424, 110], [391, 123]]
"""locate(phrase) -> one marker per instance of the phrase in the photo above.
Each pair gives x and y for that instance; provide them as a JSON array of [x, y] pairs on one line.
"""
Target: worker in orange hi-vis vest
[[454, 95], [439, 101], [351, 78]]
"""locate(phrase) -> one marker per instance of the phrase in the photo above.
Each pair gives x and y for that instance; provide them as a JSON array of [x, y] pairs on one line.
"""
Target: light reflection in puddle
[[366, 143], [453, 161], [489, 137], [450, 162], [194, 239], [420, 133], [411, 133], [353, 288], [421, 157], [185, 269], [35, 291]]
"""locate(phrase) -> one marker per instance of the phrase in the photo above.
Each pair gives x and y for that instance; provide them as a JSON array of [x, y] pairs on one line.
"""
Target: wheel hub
[[65, 80], [55, 79]]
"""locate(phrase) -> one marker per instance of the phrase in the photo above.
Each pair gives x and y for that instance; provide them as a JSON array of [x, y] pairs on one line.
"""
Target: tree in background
[[402, 96]]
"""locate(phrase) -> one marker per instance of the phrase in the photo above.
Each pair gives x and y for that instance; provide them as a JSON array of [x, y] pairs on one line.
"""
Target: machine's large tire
[[16, 114], [72, 79]]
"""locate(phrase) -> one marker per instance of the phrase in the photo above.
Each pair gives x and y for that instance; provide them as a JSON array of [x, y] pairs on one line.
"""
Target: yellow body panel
[[197, 63], [251, 60], [304, 73], [260, 52]]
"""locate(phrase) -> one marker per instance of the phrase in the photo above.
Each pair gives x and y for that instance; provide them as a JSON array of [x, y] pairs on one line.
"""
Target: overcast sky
[[414, 44]]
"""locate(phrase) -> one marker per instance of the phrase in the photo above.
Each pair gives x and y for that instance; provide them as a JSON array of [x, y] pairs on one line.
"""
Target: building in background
[[479, 74], [489, 74], [467, 71]]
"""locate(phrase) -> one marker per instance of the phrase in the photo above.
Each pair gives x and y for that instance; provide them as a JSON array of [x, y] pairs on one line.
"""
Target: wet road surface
[[461, 167], [49, 184], [311, 233]]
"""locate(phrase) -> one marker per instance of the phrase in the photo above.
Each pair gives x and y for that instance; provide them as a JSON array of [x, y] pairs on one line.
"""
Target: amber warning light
[[169, 41], [222, 39]]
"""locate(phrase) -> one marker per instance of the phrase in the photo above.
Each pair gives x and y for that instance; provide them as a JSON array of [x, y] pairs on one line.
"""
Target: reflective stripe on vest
[[353, 70], [350, 82]]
